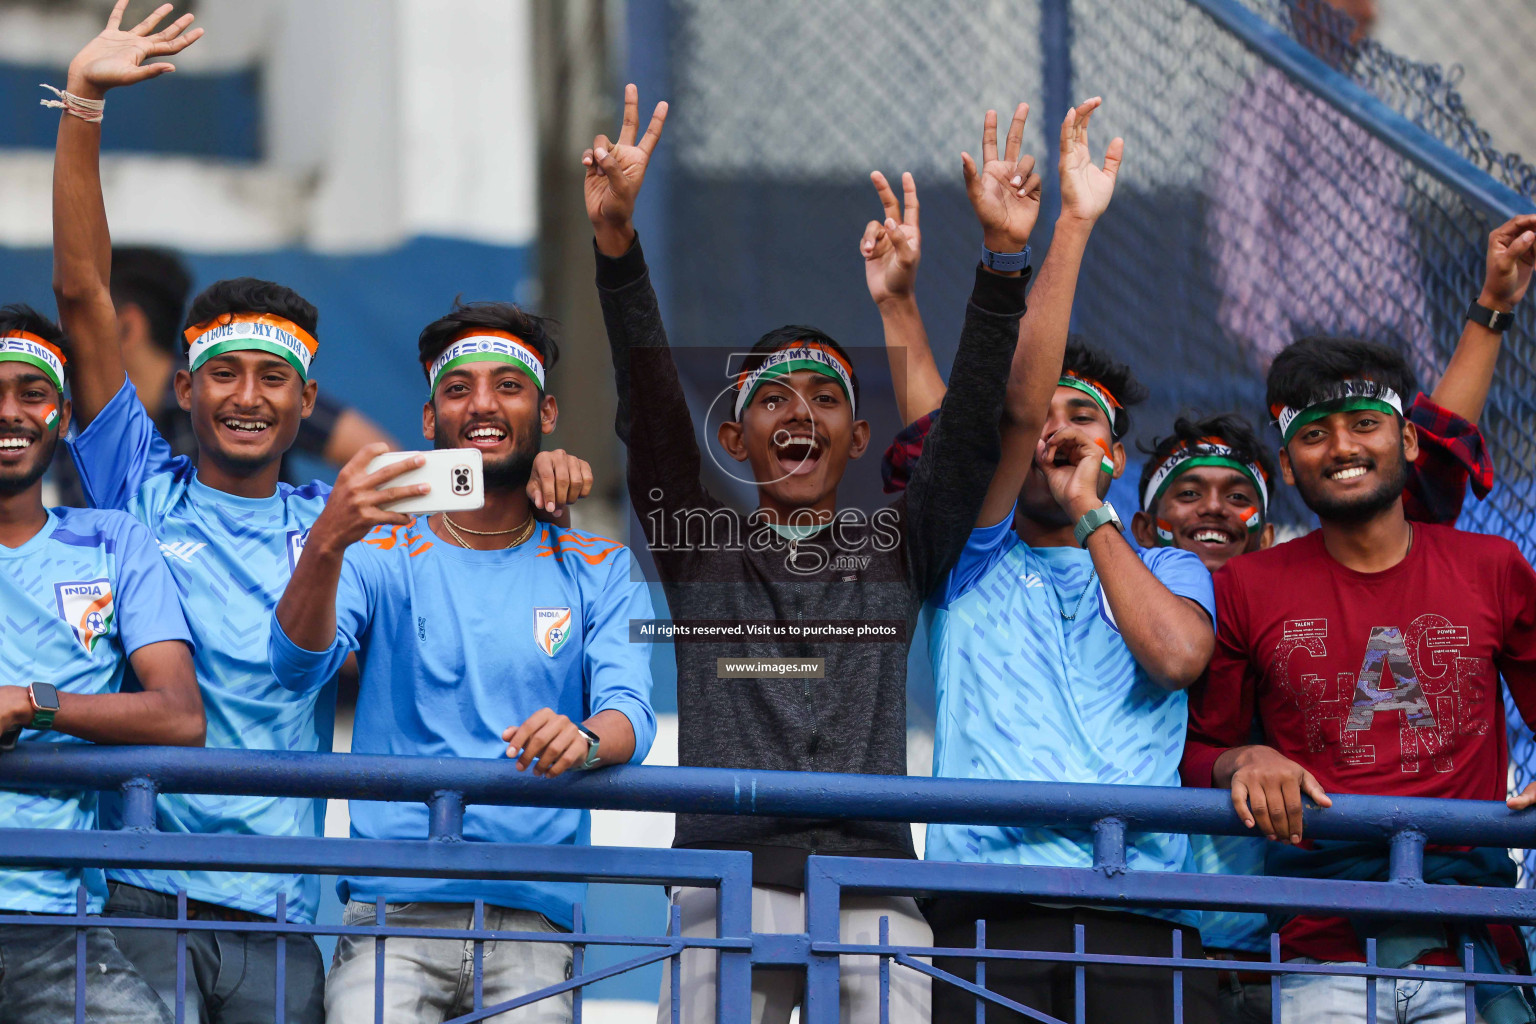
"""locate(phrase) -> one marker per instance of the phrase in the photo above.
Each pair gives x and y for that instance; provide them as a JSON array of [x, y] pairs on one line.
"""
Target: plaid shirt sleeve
[[1451, 454], [901, 457]]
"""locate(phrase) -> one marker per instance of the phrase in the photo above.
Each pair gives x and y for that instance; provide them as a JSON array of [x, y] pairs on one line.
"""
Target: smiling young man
[[230, 533], [799, 562], [85, 596], [544, 673], [1371, 652]]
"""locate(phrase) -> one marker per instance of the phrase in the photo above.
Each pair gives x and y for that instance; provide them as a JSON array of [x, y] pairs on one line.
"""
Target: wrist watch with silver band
[[1093, 519], [593, 757]]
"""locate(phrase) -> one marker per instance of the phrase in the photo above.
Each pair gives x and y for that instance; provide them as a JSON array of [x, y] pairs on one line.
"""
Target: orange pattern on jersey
[[576, 543], [387, 538]]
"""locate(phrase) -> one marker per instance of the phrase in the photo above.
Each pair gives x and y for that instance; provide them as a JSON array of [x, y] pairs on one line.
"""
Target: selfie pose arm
[[306, 615]]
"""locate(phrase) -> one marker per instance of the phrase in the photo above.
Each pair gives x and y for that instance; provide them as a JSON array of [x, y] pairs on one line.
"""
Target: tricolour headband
[[1345, 396], [485, 345], [251, 332], [799, 355], [26, 347], [1098, 392], [1208, 451]]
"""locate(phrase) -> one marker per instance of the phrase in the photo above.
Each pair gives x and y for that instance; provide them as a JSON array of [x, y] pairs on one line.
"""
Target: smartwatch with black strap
[[1493, 319]]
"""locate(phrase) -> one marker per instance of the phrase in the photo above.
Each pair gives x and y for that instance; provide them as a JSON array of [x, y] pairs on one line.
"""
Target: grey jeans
[[231, 976], [433, 979], [37, 979]]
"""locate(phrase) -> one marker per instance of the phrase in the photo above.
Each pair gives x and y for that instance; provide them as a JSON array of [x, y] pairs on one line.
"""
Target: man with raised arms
[[230, 533], [1058, 653], [797, 560], [544, 673], [85, 595]]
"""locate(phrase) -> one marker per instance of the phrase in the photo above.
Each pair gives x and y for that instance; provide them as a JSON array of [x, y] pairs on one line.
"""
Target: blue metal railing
[[1405, 825]]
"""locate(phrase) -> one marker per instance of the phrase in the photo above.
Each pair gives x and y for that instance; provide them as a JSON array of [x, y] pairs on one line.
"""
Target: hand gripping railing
[[448, 785]]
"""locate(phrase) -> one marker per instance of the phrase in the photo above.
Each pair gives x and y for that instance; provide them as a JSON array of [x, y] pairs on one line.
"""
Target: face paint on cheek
[[1164, 533], [1107, 463], [1252, 518], [51, 416]]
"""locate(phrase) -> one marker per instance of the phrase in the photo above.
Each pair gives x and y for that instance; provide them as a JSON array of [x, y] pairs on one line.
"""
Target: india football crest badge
[[87, 607], [551, 629]]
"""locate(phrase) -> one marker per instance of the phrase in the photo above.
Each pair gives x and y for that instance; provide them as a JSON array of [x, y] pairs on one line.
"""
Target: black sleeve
[[961, 452], [664, 464], [315, 431]]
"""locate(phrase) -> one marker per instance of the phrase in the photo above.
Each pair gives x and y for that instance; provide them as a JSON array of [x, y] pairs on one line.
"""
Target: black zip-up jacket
[[879, 569]]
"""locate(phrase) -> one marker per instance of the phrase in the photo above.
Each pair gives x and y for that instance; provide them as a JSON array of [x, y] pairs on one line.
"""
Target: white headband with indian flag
[[488, 345], [1208, 451], [251, 332], [798, 355], [26, 347], [1345, 396]]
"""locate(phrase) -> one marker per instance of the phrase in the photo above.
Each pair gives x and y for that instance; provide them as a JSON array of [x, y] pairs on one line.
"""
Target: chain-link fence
[[1249, 210]]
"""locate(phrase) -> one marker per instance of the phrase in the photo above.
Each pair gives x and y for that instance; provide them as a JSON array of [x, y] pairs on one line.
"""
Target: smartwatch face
[[46, 695]]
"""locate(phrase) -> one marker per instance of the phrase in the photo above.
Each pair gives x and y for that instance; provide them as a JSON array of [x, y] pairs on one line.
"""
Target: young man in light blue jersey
[[230, 534], [84, 594], [544, 671], [1058, 653]]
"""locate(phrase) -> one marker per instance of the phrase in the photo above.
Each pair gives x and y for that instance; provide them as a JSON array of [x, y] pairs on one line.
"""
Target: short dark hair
[[1305, 370], [1233, 430], [21, 317], [789, 334], [495, 316], [1084, 360], [157, 282], [251, 295]]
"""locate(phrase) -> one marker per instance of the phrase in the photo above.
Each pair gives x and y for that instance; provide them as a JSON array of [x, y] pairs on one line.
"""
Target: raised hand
[[1005, 193], [1511, 257], [892, 249], [117, 57], [615, 172], [1086, 189]]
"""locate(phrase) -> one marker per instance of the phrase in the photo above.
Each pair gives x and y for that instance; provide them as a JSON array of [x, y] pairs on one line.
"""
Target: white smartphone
[[454, 473]]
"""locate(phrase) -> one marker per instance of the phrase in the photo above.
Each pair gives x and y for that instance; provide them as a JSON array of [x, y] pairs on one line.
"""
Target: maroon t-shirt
[[1384, 683]]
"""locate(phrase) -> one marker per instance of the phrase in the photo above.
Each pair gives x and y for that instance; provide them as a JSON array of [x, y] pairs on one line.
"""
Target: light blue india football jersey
[[1026, 694], [1231, 855], [455, 646], [79, 597], [231, 557]]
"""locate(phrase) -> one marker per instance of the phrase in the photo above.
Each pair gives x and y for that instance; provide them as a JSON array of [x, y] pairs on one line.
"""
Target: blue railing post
[[1406, 858], [1109, 846], [733, 919], [822, 897], [446, 815], [138, 805]]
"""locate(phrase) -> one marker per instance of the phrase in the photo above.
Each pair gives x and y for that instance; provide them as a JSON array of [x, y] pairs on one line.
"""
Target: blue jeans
[[231, 976], [1332, 999], [37, 979]]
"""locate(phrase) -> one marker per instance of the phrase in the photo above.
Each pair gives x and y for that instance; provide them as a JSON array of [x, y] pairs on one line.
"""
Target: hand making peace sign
[[615, 172]]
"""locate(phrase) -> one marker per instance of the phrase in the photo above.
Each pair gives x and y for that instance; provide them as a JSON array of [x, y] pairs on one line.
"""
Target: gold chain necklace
[[519, 533]]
